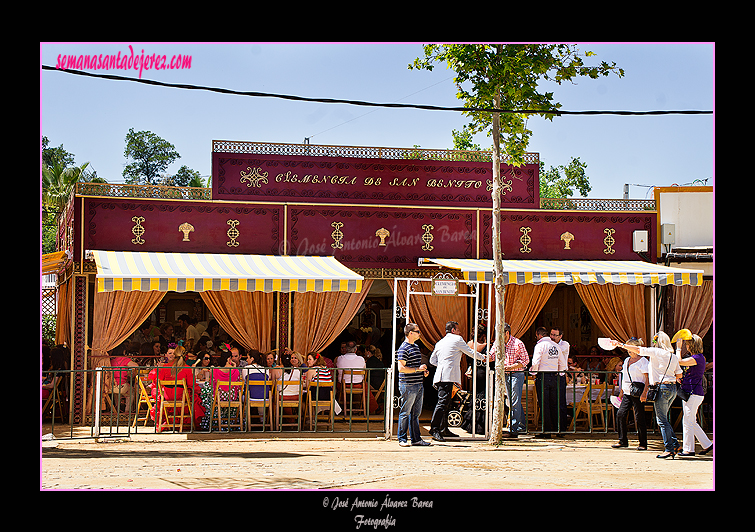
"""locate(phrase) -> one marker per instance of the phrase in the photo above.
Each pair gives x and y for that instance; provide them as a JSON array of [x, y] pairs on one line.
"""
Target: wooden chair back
[[314, 403], [174, 408], [351, 389], [144, 398], [265, 402], [234, 400]]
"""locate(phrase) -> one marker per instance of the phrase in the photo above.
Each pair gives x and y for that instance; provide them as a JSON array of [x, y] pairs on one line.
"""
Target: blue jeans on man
[[666, 396], [515, 382], [410, 408]]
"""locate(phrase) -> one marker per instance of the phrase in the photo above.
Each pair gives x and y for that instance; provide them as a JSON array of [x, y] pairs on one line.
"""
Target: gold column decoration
[[137, 230], [383, 233], [525, 239], [337, 235], [427, 237], [232, 233], [609, 241], [186, 228], [567, 237]]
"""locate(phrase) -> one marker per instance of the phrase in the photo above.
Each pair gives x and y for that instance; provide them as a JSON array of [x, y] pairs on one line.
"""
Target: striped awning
[[573, 272], [199, 272]]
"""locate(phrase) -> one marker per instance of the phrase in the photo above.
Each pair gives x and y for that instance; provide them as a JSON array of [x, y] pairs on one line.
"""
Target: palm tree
[[58, 183]]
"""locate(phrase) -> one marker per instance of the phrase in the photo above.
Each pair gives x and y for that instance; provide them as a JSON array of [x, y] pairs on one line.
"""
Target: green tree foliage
[[560, 181], [501, 86], [150, 156]]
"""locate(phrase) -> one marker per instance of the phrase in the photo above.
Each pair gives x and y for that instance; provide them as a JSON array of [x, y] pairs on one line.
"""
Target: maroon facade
[[302, 179], [368, 213]]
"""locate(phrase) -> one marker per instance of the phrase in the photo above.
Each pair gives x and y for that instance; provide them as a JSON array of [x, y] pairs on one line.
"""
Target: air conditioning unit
[[640, 241], [668, 234]]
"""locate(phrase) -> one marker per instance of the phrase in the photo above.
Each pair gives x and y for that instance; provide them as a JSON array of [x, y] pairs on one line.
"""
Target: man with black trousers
[[446, 357], [546, 363]]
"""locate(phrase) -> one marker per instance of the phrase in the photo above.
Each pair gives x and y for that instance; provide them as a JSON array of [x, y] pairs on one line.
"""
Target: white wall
[[692, 214]]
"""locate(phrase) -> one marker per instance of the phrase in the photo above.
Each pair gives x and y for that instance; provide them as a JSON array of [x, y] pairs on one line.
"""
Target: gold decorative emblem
[[383, 233], [337, 235], [427, 237], [137, 230], [505, 186], [609, 241], [186, 228], [525, 239], [567, 237], [254, 177], [232, 233]]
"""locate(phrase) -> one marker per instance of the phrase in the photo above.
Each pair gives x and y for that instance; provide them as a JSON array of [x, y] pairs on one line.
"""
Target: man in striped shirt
[[411, 386]]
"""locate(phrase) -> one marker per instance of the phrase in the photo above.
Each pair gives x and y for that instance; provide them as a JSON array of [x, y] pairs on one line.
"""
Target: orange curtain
[[618, 310], [693, 308], [319, 317], [63, 319], [246, 316], [522, 304], [432, 312], [116, 316]]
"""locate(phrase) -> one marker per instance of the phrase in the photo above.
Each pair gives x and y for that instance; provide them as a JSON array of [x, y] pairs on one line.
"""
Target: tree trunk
[[499, 416]]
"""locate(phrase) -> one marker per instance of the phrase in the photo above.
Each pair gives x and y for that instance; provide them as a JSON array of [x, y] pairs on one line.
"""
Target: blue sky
[[91, 117]]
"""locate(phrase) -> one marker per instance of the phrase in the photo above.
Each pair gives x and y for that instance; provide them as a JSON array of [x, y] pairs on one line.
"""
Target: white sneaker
[[404, 444]]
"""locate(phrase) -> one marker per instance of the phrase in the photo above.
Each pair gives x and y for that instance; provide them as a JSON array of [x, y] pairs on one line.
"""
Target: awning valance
[[199, 272], [573, 271]]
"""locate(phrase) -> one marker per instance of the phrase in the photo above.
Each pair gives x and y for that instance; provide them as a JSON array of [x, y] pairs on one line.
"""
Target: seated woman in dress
[[174, 368], [227, 372]]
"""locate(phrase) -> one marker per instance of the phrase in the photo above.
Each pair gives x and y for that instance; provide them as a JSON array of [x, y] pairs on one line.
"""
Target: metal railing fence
[[121, 401]]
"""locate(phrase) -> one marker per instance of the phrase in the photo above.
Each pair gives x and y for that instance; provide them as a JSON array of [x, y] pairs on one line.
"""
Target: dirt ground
[[347, 462]]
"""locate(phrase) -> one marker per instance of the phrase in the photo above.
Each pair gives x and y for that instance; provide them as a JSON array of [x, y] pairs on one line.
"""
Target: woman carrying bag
[[634, 385], [689, 354], [663, 371]]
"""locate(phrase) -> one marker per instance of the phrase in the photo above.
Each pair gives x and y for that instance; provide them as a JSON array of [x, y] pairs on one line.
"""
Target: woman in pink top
[[122, 379], [174, 368]]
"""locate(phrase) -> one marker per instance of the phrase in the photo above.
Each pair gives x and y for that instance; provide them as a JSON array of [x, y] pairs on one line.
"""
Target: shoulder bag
[[653, 388]]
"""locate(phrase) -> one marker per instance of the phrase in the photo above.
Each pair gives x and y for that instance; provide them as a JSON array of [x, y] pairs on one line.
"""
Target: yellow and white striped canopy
[[573, 272], [198, 272]]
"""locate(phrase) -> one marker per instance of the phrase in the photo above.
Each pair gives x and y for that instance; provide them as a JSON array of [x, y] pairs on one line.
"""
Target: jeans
[[410, 406], [515, 383], [666, 396]]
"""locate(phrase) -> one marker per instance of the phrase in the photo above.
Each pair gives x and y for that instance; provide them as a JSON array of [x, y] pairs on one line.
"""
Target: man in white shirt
[[350, 360], [446, 357], [557, 335], [547, 361]]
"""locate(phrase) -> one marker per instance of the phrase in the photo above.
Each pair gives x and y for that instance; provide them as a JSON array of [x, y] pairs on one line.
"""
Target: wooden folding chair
[[314, 403], [172, 408], [532, 410], [282, 403], [234, 400], [144, 398], [265, 402], [55, 400], [350, 389], [588, 409]]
